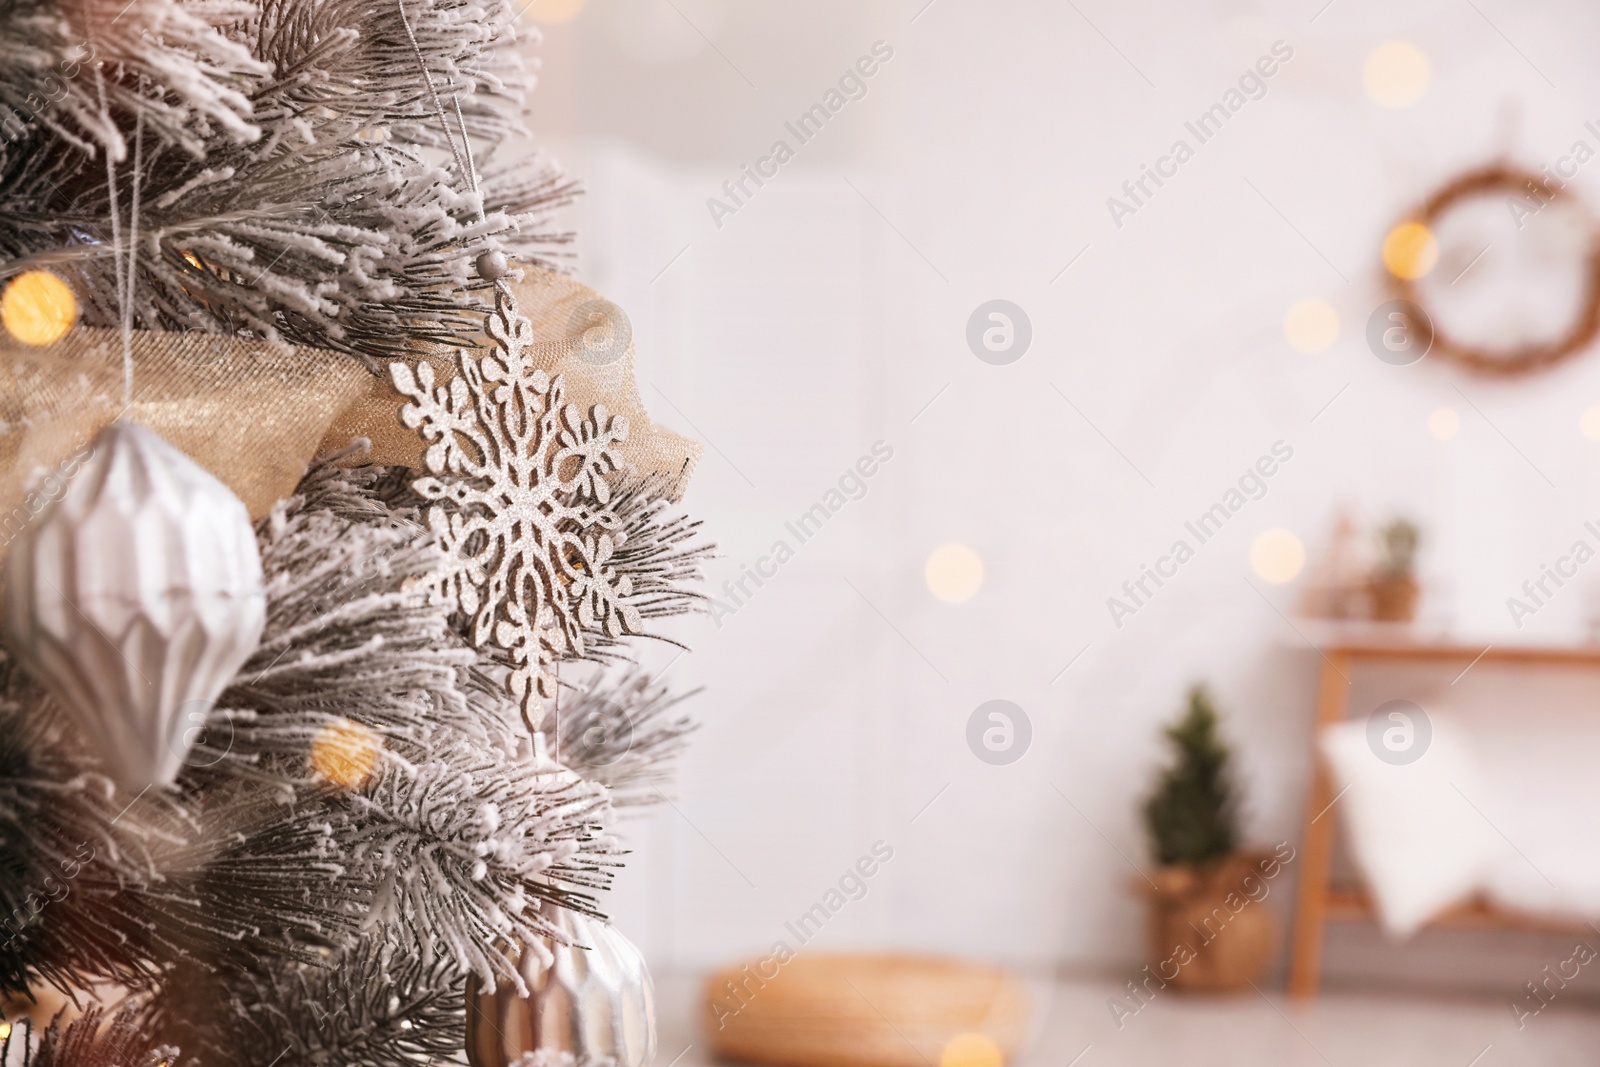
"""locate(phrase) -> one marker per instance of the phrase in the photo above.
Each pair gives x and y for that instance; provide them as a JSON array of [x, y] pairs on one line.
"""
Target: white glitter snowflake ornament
[[519, 480]]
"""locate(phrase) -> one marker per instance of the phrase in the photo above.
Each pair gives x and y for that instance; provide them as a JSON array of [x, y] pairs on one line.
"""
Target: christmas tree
[[317, 704], [1192, 817]]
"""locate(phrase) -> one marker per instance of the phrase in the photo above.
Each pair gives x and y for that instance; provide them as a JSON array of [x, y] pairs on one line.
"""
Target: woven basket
[[865, 1011], [1228, 948]]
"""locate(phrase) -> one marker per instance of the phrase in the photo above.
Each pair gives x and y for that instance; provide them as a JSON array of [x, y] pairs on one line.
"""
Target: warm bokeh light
[[5, 1030], [1311, 326], [38, 308], [1410, 251], [1396, 74], [971, 1050], [555, 12], [1277, 555], [346, 753], [1443, 423], [954, 573], [1590, 423]]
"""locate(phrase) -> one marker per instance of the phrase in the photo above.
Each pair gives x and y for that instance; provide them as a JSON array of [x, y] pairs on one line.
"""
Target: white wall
[[812, 324]]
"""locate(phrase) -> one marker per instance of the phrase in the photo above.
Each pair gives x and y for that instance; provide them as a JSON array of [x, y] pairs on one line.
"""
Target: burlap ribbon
[[255, 413]]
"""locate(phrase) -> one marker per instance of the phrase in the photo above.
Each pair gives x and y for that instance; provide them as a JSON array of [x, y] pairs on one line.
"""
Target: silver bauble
[[594, 1002], [135, 598]]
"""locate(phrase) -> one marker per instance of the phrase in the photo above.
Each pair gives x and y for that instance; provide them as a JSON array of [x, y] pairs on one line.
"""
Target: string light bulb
[[38, 308], [1311, 326], [971, 1050], [346, 753], [953, 573], [1410, 251], [1396, 74], [1277, 555]]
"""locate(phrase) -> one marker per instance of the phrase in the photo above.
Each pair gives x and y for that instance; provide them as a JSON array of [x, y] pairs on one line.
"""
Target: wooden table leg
[[1316, 839]]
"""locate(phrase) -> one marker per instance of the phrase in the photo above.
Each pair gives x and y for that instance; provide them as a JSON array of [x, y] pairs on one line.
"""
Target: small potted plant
[[1207, 928], [1393, 588]]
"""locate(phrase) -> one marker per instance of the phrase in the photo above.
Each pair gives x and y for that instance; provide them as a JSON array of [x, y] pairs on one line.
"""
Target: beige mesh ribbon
[[250, 412], [583, 337], [255, 413]]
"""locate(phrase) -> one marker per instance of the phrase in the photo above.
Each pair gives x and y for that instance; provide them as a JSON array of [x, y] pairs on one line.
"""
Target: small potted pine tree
[[1393, 587], [1206, 929]]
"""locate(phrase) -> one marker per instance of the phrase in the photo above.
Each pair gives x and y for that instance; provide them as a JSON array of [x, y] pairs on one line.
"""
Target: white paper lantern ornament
[[593, 1005], [135, 595]]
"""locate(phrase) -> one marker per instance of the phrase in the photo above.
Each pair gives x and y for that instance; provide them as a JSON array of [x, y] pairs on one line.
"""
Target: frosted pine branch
[[57, 60], [620, 731], [295, 180], [94, 1039]]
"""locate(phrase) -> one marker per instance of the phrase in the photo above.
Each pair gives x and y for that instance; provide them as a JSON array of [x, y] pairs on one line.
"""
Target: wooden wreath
[[1500, 179]]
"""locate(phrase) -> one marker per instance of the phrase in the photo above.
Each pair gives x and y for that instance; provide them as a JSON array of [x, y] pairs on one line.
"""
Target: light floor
[[1339, 1029]]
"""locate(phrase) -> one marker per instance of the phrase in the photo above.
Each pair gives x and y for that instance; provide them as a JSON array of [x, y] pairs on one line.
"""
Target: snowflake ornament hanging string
[[521, 503], [524, 516]]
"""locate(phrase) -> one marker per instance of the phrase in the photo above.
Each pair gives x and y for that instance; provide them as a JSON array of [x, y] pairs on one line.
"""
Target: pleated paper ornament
[[594, 1003], [135, 598]]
